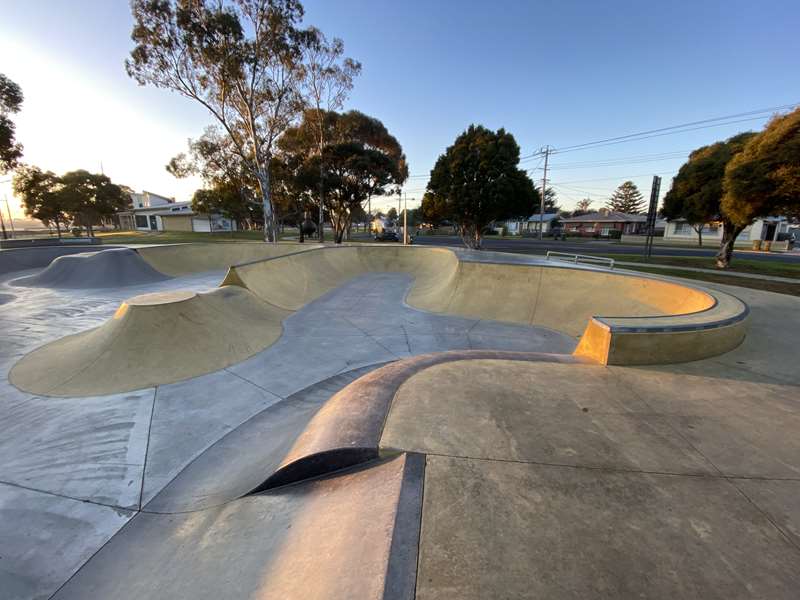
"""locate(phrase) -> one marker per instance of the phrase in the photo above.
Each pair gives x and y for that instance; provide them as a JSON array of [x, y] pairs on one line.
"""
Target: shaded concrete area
[[333, 537], [45, 538]]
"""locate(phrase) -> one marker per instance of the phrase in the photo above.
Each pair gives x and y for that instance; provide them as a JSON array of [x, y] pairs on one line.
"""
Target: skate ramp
[[620, 318], [115, 268], [176, 260], [153, 339]]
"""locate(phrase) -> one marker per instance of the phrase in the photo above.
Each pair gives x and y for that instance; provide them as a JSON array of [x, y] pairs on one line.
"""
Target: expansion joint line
[[731, 480]]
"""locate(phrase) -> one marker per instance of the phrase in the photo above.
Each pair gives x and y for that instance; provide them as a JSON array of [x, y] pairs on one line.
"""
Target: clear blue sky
[[551, 72]]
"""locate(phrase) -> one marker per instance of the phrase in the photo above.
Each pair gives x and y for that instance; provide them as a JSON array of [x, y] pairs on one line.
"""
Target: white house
[[153, 212], [531, 224], [768, 228]]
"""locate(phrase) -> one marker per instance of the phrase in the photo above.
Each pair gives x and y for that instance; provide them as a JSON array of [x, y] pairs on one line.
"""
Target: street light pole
[[405, 219], [544, 191]]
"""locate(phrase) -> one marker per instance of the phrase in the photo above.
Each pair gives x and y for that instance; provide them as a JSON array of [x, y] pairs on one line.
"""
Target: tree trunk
[[729, 235], [699, 232], [58, 229], [266, 198], [471, 236], [321, 224]]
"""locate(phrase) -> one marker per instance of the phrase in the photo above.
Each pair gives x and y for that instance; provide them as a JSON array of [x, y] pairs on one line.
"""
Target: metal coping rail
[[578, 258]]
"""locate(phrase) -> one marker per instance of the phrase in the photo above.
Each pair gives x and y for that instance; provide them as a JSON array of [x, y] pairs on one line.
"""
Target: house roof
[[545, 217], [609, 217]]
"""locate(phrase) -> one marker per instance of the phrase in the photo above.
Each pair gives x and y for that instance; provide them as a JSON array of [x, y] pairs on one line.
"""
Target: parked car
[[387, 235]]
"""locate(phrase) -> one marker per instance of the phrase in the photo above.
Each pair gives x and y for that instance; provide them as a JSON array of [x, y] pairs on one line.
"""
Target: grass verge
[[779, 287]]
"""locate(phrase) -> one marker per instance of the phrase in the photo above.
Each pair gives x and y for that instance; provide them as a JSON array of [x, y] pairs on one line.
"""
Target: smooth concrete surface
[[518, 530], [177, 260], [45, 538], [331, 538], [113, 268]]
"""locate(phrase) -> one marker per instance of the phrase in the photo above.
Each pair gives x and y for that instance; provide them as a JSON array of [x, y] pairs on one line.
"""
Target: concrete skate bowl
[[619, 318]]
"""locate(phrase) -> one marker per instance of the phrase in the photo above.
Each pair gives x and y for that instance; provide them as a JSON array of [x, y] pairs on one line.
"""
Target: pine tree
[[627, 199]]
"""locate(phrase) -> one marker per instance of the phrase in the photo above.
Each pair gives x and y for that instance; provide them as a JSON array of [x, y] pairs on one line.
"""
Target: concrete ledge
[[667, 339], [347, 429]]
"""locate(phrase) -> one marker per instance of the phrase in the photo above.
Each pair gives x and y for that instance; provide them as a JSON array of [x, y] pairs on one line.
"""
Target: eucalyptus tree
[[213, 158], [328, 79], [242, 60], [10, 103]]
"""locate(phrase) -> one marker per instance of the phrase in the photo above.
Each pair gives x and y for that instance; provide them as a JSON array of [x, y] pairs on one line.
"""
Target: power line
[[616, 177], [660, 135], [626, 137]]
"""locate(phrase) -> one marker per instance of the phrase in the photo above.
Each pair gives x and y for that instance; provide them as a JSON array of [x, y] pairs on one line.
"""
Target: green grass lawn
[[792, 289], [740, 265]]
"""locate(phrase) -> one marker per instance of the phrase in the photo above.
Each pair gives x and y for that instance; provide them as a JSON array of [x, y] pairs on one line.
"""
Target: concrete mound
[[119, 267], [153, 339]]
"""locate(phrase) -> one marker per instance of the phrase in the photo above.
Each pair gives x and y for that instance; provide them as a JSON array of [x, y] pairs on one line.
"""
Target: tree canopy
[[764, 178], [360, 159], [433, 209], [79, 196], [477, 180], [39, 193], [241, 60], [626, 199], [10, 103], [696, 191]]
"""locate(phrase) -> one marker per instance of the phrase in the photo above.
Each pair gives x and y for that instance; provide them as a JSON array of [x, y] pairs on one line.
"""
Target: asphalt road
[[534, 246]]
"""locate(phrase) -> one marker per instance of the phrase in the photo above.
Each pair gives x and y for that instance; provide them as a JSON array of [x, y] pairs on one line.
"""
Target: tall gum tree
[[10, 103], [241, 60], [327, 80], [763, 179]]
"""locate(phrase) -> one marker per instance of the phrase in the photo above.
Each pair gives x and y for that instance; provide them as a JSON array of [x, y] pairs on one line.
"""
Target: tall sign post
[[652, 210]]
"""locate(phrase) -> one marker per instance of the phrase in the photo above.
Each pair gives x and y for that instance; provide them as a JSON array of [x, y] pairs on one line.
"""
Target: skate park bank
[[364, 422]]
